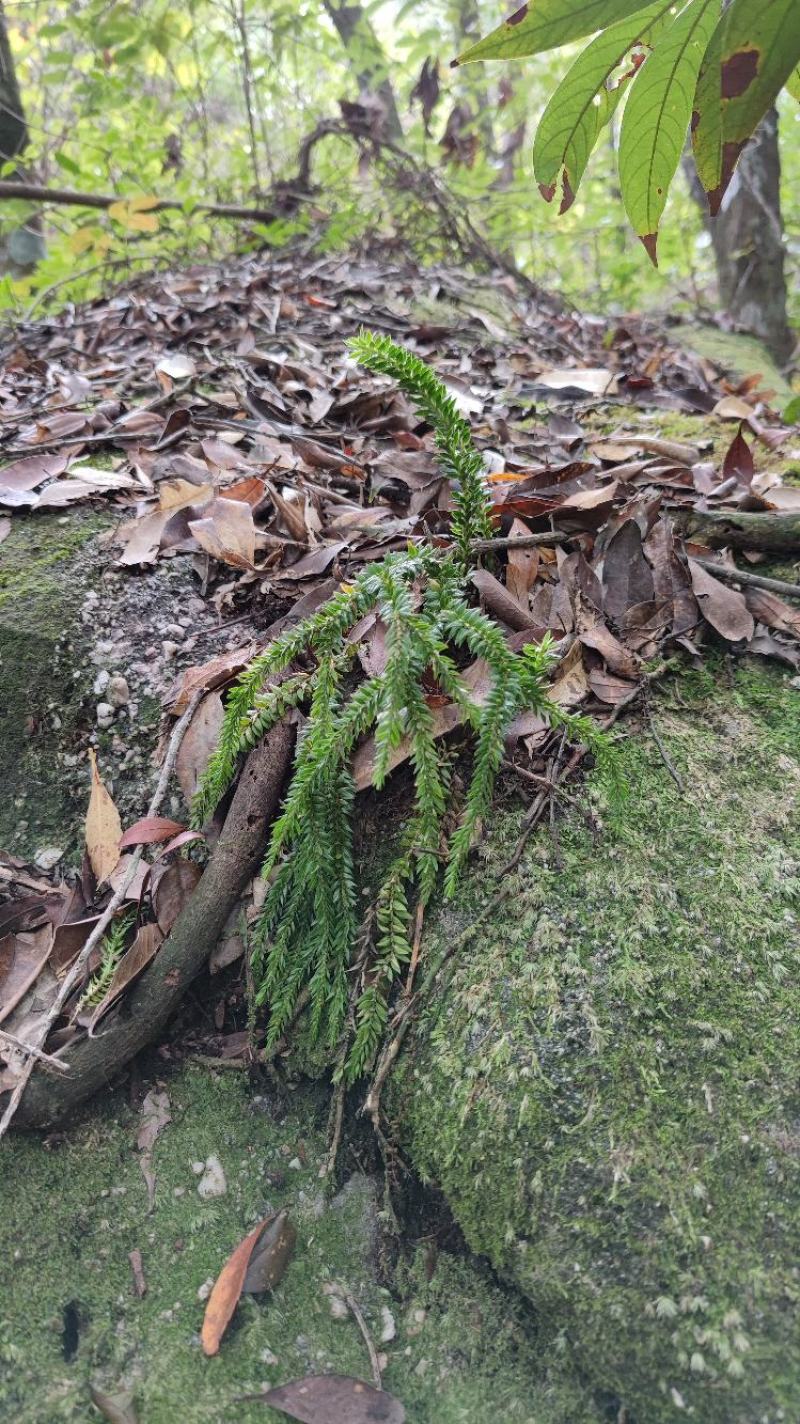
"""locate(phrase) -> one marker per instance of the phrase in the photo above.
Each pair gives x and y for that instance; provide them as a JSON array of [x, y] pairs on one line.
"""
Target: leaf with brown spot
[[103, 827], [333, 1399], [721, 606], [230, 1283]]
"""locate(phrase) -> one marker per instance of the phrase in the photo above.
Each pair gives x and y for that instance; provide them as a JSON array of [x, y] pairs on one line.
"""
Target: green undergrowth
[[75, 1207], [607, 1091]]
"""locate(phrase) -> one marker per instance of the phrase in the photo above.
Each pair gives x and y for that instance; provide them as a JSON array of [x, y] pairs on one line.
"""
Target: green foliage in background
[[699, 62], [151, 101]]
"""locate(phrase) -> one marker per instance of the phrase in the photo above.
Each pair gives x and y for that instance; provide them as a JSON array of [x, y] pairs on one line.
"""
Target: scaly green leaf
[[657, 117], [586, 99], [753, 54], [546, 24]]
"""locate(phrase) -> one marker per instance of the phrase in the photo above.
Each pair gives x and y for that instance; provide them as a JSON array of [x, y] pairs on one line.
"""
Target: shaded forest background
[[279, 104]]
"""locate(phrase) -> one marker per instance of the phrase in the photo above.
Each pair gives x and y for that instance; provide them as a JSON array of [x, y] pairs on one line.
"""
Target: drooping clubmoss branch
[[309, 922]]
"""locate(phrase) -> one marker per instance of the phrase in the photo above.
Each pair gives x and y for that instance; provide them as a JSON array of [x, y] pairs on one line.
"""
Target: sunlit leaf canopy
[[717, 67], [149, 101]]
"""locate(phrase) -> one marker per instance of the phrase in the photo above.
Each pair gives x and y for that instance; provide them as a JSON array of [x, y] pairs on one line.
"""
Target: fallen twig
[[234, 860], [21, 1047], [729, 574], [72, 978], [357, 1313]]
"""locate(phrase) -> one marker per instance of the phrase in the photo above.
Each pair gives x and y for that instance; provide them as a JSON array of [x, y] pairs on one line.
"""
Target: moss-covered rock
[[44, 575], [607, 1089]]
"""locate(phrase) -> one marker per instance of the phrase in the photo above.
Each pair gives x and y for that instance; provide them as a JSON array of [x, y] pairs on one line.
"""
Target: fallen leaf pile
[[216, 412]]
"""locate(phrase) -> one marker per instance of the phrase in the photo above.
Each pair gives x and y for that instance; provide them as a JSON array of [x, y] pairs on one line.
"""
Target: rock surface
[[606, 1090]]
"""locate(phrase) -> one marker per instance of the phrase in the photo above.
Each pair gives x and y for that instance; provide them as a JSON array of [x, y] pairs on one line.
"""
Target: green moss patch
[[44, 575], [74, 1208], [608, 1091]]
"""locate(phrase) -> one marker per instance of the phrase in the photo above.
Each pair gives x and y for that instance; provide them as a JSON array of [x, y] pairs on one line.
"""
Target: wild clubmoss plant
[[112, 949], [310, 918]]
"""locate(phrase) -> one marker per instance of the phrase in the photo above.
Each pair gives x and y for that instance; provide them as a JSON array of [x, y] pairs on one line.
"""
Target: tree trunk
[[366, 58], [22, 247], [13, 129], [749, 247]]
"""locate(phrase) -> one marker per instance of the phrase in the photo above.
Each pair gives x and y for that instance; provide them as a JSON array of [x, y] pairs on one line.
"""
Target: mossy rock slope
[[608, 1088]]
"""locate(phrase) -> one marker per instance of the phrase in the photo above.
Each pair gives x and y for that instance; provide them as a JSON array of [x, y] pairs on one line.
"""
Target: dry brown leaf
[[571, 684], [199, 741], [150, 830], [228, 533], [732, 408], [22, 958], [721, 606], [229, 1284], [177, 494], [116, 1408], [103, 827], [141, 538], [173, 889], [769, 609]]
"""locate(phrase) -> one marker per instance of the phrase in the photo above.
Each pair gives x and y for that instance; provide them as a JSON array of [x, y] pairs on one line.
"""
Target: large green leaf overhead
[[587, 97], [753, 54], [657, 117], [546, 24]]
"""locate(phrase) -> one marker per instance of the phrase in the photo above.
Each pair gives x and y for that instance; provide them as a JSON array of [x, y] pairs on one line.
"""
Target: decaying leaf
[[231, 1282], [116, 1408], [724, 608], [227, 532], [333, 1399], [22, 957], [155, 1117], [103, 827], [199, 741], [172, 890]]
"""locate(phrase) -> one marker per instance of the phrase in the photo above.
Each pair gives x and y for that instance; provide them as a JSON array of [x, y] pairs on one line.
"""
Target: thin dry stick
[[415, 948], [71, 979], [522, 541], [663, 753], [353, 1306], [733, 575], [46, 1059], [335, 1121]]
